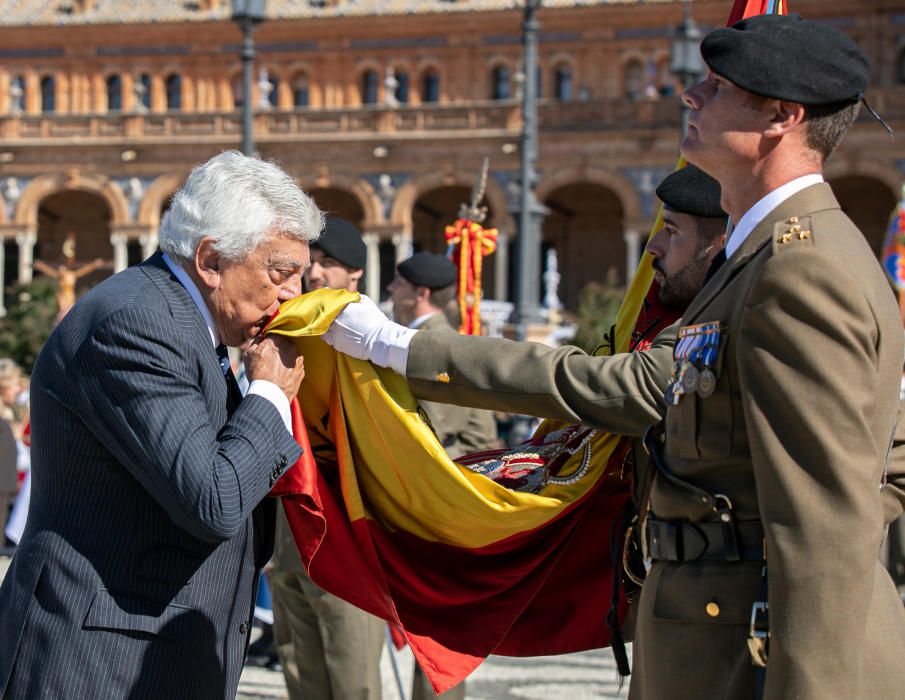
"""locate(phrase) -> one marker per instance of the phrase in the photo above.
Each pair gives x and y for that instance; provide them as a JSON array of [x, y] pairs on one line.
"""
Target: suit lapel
[[814, 198], [188, 316]]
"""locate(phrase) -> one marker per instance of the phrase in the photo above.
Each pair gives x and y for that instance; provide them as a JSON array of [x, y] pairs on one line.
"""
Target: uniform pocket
[[700, 427], [130, 613], [707, 593]]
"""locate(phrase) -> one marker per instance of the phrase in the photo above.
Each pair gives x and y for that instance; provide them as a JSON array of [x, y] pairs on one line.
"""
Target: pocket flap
[[707, 593], [131, 613]]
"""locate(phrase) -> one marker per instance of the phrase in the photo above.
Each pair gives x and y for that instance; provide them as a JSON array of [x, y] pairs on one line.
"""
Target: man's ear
[[356, 274], [785, 118], [208, 263]]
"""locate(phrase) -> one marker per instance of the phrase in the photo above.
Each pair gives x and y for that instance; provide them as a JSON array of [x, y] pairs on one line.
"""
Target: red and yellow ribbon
[[468, 243]]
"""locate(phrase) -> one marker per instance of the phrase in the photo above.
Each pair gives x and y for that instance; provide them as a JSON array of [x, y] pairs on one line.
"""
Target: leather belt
[[681, 541]]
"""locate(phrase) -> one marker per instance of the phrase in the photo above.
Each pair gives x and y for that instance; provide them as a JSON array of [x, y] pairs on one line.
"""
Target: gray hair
[[239, 201]]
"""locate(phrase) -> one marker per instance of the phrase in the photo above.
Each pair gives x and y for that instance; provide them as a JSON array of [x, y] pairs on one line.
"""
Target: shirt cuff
[[273, 393], [399, 350]]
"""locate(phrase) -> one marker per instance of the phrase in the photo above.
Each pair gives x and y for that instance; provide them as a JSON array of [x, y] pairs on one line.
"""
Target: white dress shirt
[[764, 206]]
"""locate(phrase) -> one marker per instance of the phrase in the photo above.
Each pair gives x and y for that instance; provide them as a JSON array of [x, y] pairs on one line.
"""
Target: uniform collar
[[764, 206]]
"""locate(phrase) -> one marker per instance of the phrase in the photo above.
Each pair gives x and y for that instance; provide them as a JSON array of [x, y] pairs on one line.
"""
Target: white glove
[[362, 331]]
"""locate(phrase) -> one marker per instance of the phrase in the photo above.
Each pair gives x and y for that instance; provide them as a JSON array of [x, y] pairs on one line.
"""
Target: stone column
[[26, 243], [148, 244], [372, 267], [119, 241], [501, 268], [632, 252], [404, 247]]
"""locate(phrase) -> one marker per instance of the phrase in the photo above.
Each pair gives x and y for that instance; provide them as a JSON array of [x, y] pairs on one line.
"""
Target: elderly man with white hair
[[149, 521]]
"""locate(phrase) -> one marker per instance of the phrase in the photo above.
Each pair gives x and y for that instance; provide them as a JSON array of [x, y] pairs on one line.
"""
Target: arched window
[[499, 83], [174, 91], [48, 94], [634, 79], [369, 87], [301, 95], [114, 93], [430, 86], [143, 90], [562, 82], [402, 87]]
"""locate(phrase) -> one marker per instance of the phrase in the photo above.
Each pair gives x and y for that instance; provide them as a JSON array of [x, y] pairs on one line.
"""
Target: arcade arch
[[77, 215], [585, 226]]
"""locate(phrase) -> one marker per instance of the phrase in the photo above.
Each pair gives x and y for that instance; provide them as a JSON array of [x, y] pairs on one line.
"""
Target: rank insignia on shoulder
[[791, 230], [695, 354]]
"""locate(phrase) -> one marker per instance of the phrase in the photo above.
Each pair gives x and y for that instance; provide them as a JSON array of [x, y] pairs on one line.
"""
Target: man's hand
[[362, 331], [275, 359]]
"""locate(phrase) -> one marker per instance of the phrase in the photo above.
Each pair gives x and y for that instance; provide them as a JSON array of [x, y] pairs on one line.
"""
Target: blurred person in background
[[11, 383]]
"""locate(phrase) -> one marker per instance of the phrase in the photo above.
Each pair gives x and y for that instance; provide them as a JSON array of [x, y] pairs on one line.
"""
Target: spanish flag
[[505, 552]]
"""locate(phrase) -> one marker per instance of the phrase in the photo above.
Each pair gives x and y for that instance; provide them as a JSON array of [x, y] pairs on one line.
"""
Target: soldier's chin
[[316, 284]]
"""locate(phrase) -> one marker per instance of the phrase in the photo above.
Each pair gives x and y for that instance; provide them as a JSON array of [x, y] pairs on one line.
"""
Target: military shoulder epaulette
[[792, 233]]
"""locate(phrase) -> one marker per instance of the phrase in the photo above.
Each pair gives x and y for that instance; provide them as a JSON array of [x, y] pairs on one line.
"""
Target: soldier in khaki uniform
[[423, 287], [783, 401], [329, 649]]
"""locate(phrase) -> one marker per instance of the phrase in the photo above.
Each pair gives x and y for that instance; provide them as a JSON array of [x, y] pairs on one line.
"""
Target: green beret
[[430, 270], [787, 58], [691, 191], [342, 241]]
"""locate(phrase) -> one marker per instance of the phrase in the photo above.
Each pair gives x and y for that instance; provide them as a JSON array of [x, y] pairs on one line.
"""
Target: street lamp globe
[[685, 60]]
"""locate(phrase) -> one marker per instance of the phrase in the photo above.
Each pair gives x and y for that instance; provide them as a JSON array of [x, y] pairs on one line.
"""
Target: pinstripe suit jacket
[[136, 575]]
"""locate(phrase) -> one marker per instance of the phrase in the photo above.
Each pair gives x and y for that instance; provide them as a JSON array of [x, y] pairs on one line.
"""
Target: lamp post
[[531, 212], [248, 14], [685, 60]]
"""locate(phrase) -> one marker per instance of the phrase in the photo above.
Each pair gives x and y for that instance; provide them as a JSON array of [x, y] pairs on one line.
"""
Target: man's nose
[[691, 97], [655, 244]]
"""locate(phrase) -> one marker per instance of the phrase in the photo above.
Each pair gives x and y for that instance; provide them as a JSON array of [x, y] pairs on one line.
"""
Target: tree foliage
[[598, 304], [30, 312]]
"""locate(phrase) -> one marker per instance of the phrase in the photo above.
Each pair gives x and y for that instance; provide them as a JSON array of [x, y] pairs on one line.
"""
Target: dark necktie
[[233, 393], [715, 265]]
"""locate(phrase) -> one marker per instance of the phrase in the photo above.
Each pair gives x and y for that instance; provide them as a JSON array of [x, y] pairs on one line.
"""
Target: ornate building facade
[[384, 111]]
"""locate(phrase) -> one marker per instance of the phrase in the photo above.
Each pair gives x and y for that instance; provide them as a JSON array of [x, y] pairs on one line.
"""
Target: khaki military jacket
[[797, 435], [622, 394], [460, 430]]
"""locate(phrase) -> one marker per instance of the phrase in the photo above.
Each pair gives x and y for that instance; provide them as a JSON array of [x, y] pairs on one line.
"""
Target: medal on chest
[[695, 356]]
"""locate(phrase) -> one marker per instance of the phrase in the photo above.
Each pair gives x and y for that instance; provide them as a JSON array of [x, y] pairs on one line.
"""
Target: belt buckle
[[759, 633]]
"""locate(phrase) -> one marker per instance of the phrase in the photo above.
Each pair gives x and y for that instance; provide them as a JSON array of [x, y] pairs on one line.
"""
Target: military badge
[[695, 355]]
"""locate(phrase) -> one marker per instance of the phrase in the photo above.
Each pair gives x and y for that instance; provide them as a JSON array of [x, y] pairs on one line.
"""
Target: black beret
[[430, 270], [788, 58], [342, 241], [691, 191]]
